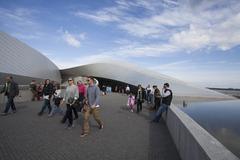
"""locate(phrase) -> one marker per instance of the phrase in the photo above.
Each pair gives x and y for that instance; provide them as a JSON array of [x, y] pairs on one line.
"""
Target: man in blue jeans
[[166, 102]]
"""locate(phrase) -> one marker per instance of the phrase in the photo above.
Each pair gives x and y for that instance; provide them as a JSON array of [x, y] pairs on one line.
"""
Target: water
[[221, 119]]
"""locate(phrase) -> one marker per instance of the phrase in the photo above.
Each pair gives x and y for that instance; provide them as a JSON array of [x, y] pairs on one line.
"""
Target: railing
[[192, 141]]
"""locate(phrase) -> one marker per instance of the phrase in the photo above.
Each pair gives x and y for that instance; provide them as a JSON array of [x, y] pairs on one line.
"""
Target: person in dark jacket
[[10, 90], [157, 98], [47, 94], [139, 96], [166, 102]]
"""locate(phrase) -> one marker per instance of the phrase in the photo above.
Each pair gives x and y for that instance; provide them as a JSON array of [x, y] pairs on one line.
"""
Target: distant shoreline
[[228, 91]]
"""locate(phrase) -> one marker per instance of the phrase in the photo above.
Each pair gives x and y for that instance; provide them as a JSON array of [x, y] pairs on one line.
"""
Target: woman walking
[[71, 95], [57, 98], [47, 94]]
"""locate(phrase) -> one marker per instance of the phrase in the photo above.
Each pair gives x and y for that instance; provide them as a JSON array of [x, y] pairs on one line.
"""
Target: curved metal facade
[[19, 59], [25, 63], [134, 75]]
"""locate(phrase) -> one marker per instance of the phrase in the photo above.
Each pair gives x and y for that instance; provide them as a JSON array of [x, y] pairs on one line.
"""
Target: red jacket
[[82, 89]]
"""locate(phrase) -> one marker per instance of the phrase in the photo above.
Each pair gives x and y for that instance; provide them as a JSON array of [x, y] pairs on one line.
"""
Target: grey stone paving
[[126, 135]]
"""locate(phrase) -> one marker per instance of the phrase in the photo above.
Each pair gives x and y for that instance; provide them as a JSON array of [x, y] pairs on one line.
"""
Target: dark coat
[[13, 90], [142, 97], [48, 89]]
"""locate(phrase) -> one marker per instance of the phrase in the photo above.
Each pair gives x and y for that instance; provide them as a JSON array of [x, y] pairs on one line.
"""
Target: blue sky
[[197, 41]]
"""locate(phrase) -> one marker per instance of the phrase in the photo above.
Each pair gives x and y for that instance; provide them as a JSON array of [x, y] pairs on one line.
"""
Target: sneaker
[[69, 126], [101, 126], [131, 110], [14, 111], [40, 113], [83, 135]]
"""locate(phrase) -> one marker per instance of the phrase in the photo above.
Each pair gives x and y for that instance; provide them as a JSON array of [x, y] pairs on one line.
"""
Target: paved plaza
[[126, 135]]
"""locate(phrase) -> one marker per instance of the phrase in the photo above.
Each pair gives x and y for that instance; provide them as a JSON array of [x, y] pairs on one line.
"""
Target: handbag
[[78, 105], [71, 100]]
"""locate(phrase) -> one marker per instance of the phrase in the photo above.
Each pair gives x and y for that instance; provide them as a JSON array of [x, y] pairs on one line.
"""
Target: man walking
[[166, 102], [92, 106], [10, 90]]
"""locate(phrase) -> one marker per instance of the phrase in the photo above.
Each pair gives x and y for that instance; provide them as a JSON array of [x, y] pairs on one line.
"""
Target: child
[[131, 101]]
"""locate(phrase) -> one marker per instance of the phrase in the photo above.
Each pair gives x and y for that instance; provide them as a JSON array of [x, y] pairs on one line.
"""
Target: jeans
[[151, 98], [10, 103], [81, 97], [148, 98], [69, 115], [56, 109], [163, 108], [157, 102], [46, 103], [139, 105], [75, 112]]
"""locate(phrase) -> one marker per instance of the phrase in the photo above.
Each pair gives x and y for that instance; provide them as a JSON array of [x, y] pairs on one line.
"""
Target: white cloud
[[82, 36], [227, 34], [106, 15], [18, 16], [23, 36], [192, 39], [150, 50], [223, 35], [73, 40], [185, 27], [142, 29], [141, 50]]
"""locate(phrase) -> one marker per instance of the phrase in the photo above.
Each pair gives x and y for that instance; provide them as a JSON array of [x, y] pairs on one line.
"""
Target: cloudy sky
[[197, 41]]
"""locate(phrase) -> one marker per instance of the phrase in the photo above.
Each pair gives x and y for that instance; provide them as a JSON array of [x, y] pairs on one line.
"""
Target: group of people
[[37, 89], [162, 101], [86, 99]]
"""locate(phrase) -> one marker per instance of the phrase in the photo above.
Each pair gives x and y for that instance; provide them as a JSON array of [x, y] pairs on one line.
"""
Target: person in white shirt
[[128, 90], [166, 102], [152, 95]]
